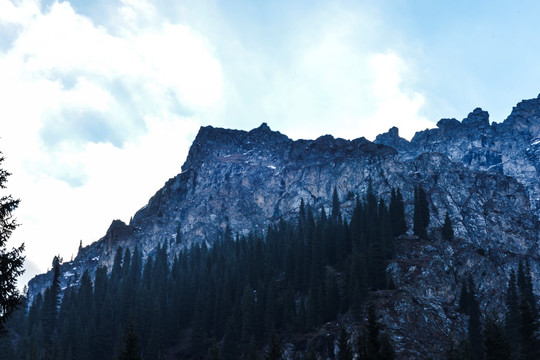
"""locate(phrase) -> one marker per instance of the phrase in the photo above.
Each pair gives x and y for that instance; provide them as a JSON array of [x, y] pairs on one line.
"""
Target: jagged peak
[[392, 134], [262, 128], [117, 228], [448, 123], [392, 138], [525, 108], [477, 118]]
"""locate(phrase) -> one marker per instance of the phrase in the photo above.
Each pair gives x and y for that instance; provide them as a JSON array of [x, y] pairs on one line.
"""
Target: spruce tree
[[230, 342], [344, 349], [397, 213], [51, 301], [132, 346], [274, 349], [528, 290], [116, 273], [464, 298], [387, 351], [373, 344], [126, 263], [529, 343], [361, 345], [336, 207], [474, 326], [213, 353], [248, 317], [495, 344], [511, 322], [447, 229], [11, 261], [451, 352], [198, 338]]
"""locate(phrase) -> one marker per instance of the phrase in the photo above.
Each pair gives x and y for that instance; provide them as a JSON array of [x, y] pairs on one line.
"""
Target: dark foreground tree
[[11, 261], [132, 350], [495, 344], [529, 344], [274, 349], [344, 352]]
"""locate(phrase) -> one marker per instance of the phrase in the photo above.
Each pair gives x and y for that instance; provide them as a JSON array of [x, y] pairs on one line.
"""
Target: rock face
[[484, 176]]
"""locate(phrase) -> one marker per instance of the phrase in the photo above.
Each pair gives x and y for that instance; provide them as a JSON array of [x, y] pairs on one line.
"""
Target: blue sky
[[100, 100]]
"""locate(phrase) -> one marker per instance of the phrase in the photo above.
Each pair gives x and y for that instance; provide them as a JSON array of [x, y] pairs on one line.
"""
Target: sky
[[100, 100]]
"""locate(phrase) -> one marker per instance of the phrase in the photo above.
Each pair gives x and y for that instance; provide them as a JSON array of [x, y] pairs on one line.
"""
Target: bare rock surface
[[485, 176]]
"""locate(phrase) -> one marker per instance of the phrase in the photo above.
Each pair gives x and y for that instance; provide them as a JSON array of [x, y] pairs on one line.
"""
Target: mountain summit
[[483, 176]]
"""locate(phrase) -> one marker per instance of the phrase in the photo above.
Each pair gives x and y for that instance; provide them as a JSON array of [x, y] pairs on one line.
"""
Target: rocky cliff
[[483, 175]]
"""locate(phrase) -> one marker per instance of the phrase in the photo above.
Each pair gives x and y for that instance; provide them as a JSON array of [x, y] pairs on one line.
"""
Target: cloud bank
[[101, 100]]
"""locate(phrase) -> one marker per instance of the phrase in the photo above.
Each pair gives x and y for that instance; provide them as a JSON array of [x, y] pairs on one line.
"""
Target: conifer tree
[[126, 263], [474, 326], [274, 349], [447, 229], [248, 317], [397, 213], [528, 290], [132, 346], [332, 297], [11, 261], [116, 272], [387, 351], [50, 305], [344, 349], [451, 352], [230, 343], [213, 353], [197, 344], [511, 322], [464, 298], [377, 263], [361, 345], [336, 207], [373, 344], [495, 344], [251, 353], [521, 281], [529, 343]]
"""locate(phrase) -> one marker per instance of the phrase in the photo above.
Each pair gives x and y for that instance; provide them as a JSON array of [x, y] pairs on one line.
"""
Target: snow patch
[[535, 142], [96, 258], [272, 167], [68, 274]]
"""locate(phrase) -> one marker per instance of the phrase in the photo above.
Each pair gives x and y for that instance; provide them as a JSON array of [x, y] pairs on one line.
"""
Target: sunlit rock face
[[483, 175]]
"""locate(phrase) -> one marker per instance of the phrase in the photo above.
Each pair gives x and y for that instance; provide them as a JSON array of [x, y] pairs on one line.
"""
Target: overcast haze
[[100, 100]]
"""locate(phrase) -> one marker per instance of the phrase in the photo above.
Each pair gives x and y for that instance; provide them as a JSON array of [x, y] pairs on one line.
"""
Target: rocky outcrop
[[483, 175], [511, 148]]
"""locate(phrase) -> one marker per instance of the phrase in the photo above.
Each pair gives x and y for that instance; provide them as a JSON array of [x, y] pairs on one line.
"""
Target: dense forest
[[247, 297]]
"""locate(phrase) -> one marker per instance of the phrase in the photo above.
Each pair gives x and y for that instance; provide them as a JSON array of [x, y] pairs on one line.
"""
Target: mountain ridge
[[217, 144], [484, 176]]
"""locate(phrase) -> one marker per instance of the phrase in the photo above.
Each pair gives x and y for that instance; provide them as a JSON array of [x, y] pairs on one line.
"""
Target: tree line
[[232, 296], [512, 336]]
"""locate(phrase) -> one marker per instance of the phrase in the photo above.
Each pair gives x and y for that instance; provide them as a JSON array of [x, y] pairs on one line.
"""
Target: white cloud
[[88, 113], [394, 105], [97, 117], [335, 80]]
